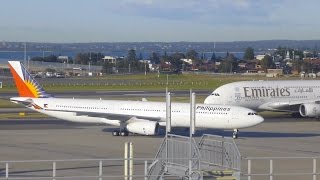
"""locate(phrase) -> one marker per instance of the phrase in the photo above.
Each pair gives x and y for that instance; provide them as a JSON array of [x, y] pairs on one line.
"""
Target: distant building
[[189, 61], [277, 58], [150, 65], [274, 72], [258, 66], [287, 56], [63, 59], [109, 59], [278, 65], [307, 54], [242, 65], [260, 57], [145, 61]]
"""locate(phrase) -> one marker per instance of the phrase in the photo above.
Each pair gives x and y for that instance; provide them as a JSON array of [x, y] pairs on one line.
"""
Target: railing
[[172, 157], [70, 169], [220, 152], [157, 166], [282, 168], [77, 169]]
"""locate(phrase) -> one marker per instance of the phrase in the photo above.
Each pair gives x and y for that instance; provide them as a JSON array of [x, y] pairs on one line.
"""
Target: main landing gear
[[235, 133], [120, 133]]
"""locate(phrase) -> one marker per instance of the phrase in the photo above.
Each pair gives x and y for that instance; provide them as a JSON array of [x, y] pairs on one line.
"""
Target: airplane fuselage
[[207, 116], [267, 95]]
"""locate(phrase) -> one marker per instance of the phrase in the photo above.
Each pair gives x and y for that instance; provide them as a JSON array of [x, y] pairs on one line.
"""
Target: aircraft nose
[[258, 119], [208, 100]]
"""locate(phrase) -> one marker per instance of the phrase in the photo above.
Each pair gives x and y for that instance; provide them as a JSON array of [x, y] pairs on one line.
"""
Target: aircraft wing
[[287, 105]]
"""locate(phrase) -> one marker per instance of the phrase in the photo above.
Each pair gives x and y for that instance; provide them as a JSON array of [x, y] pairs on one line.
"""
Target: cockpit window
[[215, 94], [252, 113]]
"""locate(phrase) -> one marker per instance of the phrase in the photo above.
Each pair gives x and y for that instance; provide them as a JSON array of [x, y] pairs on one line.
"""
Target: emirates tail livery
[[141, 117], [300, 97]]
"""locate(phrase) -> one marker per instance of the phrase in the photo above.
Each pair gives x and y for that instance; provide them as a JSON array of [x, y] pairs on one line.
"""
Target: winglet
[[27, 86]]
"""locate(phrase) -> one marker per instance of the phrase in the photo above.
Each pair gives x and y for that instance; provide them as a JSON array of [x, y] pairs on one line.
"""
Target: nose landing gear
[[235, 133]]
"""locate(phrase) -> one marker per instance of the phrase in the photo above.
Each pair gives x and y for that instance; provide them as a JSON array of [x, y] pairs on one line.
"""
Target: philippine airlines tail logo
[[27, 86]]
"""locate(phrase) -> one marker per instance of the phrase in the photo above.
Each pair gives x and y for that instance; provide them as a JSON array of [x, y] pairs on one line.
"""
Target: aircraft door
[[234, 118]]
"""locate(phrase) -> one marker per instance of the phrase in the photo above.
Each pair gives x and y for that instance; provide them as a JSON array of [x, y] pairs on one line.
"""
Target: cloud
[[138, 2], [212, 12]]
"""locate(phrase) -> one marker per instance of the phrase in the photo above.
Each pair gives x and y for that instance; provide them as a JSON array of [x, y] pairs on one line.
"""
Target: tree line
[[173, 62]]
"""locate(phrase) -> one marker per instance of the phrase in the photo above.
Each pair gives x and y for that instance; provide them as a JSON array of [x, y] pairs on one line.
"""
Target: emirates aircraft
[[140, 117], [300, 97]]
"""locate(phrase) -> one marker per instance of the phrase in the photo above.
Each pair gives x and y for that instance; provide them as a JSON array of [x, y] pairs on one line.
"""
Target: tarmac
[[52, 139]]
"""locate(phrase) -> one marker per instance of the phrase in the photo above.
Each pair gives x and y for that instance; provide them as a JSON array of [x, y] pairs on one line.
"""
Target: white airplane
[[141, 117], [300, 97]]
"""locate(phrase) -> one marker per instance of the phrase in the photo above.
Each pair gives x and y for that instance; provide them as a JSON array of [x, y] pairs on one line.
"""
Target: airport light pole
[[168, 124], [192, 126], [25, 53], [167, 79], [145, 68], [129, 68]]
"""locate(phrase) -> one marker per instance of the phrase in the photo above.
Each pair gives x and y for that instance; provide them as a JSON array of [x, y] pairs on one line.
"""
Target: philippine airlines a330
[[141, 117]]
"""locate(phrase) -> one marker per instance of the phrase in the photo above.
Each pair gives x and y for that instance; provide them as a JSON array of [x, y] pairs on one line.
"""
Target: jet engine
[[309, 110], [143, 127]]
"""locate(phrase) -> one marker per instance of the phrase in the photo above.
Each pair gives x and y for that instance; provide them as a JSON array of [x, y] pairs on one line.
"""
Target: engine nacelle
[[143, 127], [309, 110]]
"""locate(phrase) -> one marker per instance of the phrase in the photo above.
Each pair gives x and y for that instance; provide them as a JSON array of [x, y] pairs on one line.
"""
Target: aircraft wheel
[[124, 133], [115, 133], [235, 134]]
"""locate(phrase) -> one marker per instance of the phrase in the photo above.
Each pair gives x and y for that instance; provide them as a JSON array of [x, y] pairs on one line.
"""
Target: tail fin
[[27, 86]]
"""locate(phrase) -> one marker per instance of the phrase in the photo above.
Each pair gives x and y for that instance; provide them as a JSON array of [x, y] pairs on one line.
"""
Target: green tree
[[175, 60], [267, 62], [248, 54], [165, 57], [85, 58], [140, 56], [155, 58], [229, 64], [192, 54], [203, 56], [37, 58], [132, 55], [225, 66], [213, 57]]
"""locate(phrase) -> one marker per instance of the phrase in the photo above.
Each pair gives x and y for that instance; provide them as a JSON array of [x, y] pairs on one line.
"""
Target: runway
[[50, 138], [284, 137], [38, 139]]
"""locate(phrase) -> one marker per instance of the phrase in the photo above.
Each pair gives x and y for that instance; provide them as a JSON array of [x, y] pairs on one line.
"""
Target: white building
[[189, 61], [64, 59], [145, 61], [110, 59], [260, 57], [287, 56], [148, 62]]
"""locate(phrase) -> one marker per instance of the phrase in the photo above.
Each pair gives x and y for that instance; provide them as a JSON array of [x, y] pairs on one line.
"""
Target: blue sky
[[158, 20]]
